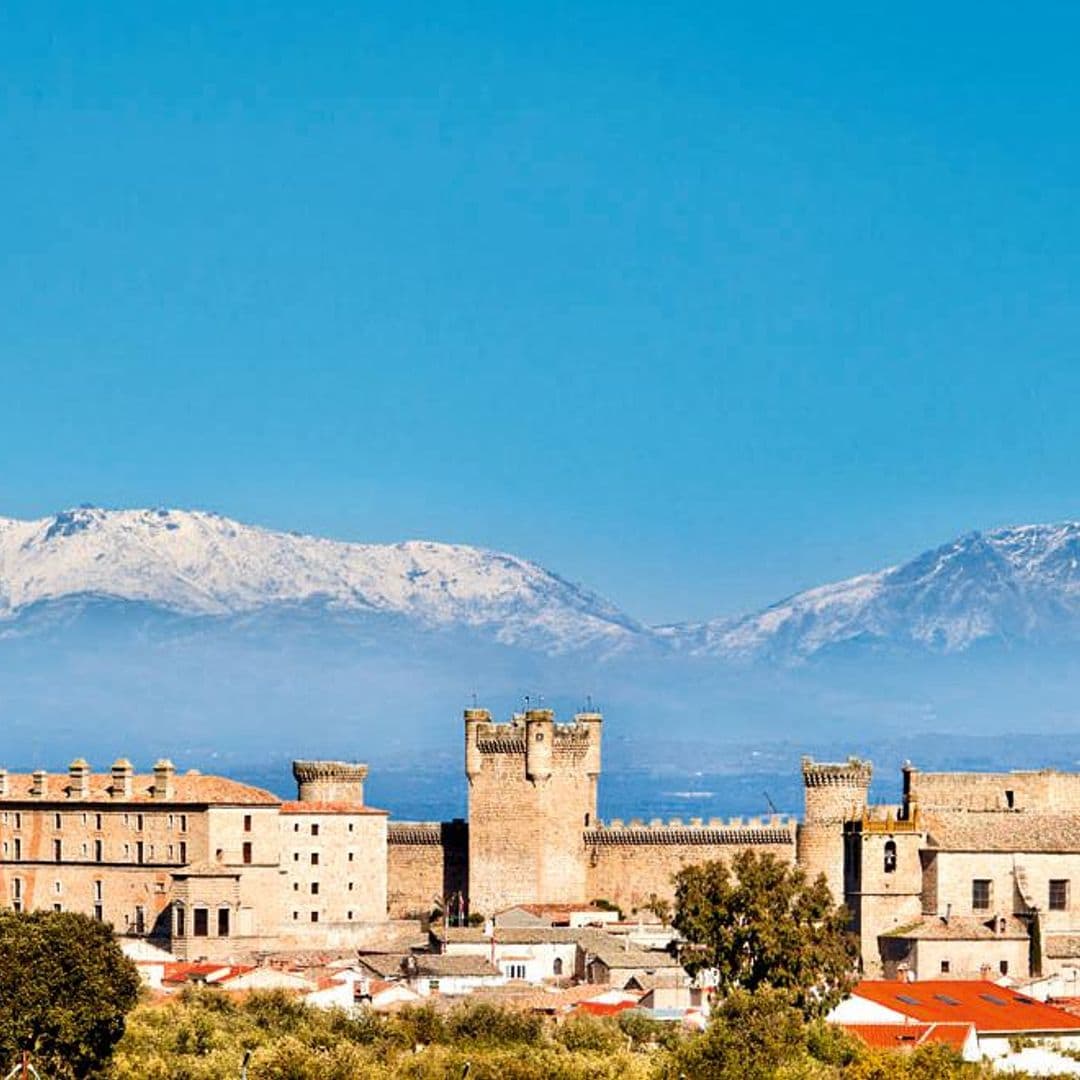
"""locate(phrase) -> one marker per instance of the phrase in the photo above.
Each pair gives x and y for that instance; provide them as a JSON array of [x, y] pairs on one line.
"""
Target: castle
[[969, 874]]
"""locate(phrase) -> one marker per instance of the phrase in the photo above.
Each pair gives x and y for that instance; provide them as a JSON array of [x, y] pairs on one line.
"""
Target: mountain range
[[1006, 586], [183, 632]]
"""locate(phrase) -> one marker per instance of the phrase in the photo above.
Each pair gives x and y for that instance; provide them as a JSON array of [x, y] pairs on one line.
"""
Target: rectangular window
[[247, 851], [99, 912], [140, 919], [97, 822], [99, 850], [314, 888], [201, 922], [16, 887], [247, 823], [172, 852], [350, 856], [98, 893], [58, 887], [18, 820], [314, 830], [171, 821], [1059, 894], [58, 850], [18, 848], [85, 849], [58, 908], [84, 818], [314, 916], [183, 822], [183, 851], [140, 853], [139, 822], [58, 821], [980, 894], [1003, 967], [181, 922], [314, 858], [223, 922], [348, 915], [944, 967]]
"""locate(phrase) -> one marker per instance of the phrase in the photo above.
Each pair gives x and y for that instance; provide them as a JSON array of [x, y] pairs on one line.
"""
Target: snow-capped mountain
[[1007, 585], [200, 564]]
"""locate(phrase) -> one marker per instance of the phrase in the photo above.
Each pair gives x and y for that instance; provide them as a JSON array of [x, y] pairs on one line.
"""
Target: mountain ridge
[[1011, 584]]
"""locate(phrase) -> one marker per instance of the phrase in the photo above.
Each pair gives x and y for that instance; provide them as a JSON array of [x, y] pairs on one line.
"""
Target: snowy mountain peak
[[201, 564], [1008, 584]]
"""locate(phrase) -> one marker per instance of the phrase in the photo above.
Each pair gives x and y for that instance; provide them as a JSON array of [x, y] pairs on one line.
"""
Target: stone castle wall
[[427, 862], [1045, 791], [630, 864]]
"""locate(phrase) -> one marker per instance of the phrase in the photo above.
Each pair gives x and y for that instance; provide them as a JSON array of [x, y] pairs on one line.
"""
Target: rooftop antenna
[[772, 805], [474, 699]]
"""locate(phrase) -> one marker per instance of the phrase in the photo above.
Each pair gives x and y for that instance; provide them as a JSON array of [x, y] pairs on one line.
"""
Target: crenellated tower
[[835, 793], [532, 793], [330, 781]]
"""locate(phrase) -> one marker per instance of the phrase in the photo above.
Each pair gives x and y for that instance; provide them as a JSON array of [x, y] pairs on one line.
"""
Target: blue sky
[[698, 306]]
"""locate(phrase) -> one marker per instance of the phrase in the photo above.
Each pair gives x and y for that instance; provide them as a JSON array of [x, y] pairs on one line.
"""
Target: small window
[[58, 887], [314, 830], [348, 915], [247, 823], [556, 968], [980, 894], [97, 822], [183, 851], [18, 848], [1003, 967], [890, 857], [351, 826], [1010, 799], [1059, 894], [296, 856], [139, 822], [99, 850], [181, 922], [314, 916], [140, 920], [314, 888], [58, 821], [183, 822], [98, 890], [586, 820], [18, 820], [945, 966], [296, 914], [350, 886], [201, 922], [296, 826], [247, 852], [99, 913], [58, 850], [223, 922], [140, 852], [58, 908], [351, 856], [314, 858], [296, 886]]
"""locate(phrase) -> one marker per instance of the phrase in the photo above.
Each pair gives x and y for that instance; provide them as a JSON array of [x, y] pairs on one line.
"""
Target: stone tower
[[330, 781], [836, 793], [532, 793]]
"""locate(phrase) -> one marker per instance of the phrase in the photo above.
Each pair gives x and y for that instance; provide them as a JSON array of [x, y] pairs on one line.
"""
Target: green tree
[[760, 923], [65, 988]]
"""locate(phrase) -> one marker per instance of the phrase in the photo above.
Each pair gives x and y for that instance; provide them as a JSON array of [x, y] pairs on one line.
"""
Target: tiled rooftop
[[191, 788]]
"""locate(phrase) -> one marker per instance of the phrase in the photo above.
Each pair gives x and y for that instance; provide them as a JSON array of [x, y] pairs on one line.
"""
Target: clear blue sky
[[697, 305]]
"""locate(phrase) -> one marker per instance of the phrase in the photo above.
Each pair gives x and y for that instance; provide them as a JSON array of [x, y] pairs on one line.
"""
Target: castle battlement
[[772, 829], [851, 773]]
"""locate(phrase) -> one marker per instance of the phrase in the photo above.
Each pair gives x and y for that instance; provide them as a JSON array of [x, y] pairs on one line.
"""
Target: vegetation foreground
[[204, 1035]]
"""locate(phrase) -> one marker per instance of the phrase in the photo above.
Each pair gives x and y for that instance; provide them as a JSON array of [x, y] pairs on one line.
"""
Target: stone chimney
[[39, 783], [164, 771], [123, 774], [79, 774]]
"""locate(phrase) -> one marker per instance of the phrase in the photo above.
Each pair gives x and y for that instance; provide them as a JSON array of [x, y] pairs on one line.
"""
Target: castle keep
[[970, 874]]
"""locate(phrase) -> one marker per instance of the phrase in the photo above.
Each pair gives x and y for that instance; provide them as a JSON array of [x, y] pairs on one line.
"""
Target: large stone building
[[969, 875]]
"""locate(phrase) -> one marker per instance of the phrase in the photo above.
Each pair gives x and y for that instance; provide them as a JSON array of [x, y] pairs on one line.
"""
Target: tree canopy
[[759, 923], [65, 988]]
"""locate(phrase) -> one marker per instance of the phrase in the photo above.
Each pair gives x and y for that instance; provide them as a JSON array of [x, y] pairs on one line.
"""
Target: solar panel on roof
[[948, 1000], [993, 999], [908, 999]]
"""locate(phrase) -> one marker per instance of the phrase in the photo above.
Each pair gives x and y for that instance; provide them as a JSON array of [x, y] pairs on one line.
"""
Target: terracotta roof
[[974, 830], [604, 1008], [190, 788], [960, 928], [183, 972], [909, 1036], [985, 1004], [315, 807]]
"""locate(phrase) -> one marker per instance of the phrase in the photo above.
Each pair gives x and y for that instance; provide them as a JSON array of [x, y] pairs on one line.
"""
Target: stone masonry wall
[[627, 865], [426, 861]]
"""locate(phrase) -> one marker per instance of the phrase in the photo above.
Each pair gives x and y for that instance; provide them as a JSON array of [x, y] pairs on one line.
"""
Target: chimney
[[164, 771], [39, 783], [3, 782], [122, 777], [79, 774]]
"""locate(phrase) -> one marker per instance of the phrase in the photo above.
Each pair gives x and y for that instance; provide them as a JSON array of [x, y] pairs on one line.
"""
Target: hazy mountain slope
[[200, 564], [1009, 585]]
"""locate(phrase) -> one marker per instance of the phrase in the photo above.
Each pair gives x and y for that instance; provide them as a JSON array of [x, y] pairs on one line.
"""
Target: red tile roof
[[192, 788], [314, 807], [182, 972], [985, 1004], [909, 1036], [604, 1008]]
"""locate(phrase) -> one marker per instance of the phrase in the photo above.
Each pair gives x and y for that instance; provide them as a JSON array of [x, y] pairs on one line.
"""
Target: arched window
[[557, 966], [890, 856]]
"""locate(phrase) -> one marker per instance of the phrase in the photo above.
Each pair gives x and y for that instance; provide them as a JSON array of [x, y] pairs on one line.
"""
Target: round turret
[[330, 781]]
